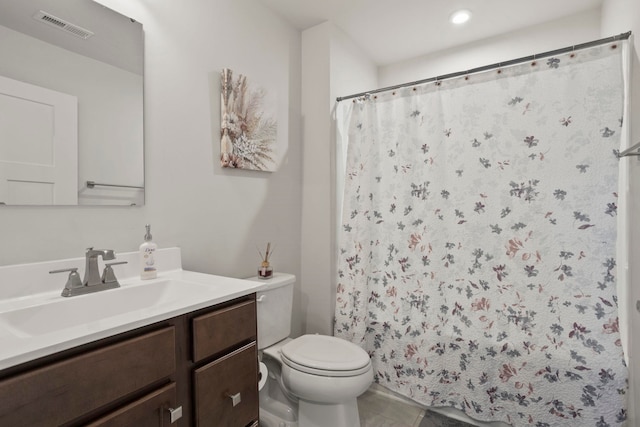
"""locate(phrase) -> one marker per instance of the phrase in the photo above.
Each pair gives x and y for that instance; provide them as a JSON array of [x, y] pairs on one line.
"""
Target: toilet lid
[[325, 355]]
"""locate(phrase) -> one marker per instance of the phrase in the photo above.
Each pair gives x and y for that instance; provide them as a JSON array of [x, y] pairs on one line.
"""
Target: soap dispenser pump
[[147, 257]]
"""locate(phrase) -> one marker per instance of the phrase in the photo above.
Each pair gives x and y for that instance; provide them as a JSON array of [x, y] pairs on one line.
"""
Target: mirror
[[71, 104]]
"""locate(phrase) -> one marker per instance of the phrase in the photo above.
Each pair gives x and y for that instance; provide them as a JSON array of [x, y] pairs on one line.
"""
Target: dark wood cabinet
[[226, 394], [60, 392], [223, 329], [151, 410], [225, 386], [191, 363]]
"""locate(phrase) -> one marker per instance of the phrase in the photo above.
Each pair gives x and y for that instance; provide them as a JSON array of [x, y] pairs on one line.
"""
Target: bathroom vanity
[[187, 359]]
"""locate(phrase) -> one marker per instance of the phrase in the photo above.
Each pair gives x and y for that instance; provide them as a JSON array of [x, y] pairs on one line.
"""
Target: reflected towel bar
[[91, 184], [631, 151]]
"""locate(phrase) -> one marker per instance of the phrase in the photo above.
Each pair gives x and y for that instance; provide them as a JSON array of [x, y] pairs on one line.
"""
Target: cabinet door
[[58, 393], [226, 390], [215, 332], [151, 410]]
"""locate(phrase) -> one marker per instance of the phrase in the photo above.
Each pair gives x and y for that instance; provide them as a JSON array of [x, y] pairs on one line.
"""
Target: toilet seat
[[325, 355]]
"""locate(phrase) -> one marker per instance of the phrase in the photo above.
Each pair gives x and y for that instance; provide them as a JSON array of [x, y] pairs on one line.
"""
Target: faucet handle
[[73, 281], [108, 276]]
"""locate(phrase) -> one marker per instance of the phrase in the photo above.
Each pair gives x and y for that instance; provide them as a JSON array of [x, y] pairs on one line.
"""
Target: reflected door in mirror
[[38, 145]]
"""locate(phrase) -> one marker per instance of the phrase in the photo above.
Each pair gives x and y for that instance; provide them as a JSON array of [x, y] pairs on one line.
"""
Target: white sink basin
[[35, 321], [89, 310]]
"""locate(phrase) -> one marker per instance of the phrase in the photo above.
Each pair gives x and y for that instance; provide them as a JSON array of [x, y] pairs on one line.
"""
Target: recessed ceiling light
[[460, 17]]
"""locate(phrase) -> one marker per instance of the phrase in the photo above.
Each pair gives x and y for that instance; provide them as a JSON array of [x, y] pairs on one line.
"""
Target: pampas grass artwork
[[248, 130]]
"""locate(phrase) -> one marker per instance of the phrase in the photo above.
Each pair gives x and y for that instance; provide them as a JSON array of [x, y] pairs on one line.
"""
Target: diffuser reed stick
[[265, 271]]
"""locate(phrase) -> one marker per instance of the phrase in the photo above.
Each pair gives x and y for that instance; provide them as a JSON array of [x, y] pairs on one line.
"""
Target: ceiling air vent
[[61, 24]]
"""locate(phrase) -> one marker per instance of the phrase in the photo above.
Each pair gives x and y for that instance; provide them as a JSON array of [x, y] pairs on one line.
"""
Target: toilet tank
[[274, 306]]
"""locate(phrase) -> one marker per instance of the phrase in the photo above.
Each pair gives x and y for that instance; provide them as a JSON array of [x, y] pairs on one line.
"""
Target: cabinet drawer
[[60, 392], [215, 383], [148, 411], [222, 329]]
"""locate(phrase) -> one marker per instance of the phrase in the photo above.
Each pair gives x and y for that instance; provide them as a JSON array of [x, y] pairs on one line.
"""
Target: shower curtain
[[477, 249]]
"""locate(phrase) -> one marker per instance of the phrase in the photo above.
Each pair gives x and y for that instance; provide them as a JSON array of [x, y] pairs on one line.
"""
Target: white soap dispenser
[[148, 257]]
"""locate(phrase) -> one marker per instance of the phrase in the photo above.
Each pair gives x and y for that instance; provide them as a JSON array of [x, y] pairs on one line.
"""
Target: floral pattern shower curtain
[[477, 254]]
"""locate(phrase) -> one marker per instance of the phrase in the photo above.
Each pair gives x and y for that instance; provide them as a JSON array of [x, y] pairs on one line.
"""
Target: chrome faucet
[[91, 272], [92, 281]]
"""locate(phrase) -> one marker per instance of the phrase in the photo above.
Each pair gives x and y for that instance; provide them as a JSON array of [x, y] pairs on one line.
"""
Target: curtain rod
[[622, 36], [631, 151]]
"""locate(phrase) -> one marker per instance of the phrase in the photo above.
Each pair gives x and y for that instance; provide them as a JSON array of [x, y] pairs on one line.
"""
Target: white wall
[[217, 216], [332, 65], [316, 176]]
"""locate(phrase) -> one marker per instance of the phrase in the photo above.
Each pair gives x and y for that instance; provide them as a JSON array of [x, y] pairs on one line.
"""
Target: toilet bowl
[[329, 370], [313, 380], [322, 376]]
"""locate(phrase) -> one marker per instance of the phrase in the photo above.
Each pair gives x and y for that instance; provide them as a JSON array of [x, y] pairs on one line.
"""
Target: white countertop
[[49, 323]]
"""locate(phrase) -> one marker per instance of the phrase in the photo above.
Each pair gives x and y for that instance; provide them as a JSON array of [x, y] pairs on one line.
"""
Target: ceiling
[[394, 30], [117, 40]]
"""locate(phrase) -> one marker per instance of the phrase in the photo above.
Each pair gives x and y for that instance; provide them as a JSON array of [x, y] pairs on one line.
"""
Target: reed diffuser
[[265, 271]]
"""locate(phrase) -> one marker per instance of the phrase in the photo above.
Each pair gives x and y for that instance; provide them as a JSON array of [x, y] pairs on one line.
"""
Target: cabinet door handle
[[175, 414], [235, 398], [261, 298]]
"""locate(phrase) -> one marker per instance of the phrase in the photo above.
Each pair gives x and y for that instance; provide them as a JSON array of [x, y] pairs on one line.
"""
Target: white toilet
[[313, 380]]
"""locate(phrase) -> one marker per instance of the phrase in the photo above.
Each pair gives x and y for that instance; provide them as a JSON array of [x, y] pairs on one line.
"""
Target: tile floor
[[376, 410]]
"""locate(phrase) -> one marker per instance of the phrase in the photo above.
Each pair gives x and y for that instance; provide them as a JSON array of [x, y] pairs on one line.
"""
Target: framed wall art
[[248, 127]]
